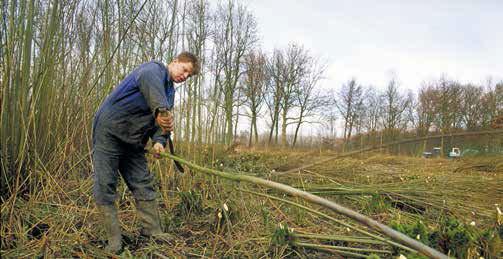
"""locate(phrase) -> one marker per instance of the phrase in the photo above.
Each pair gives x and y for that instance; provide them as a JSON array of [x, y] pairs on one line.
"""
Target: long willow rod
[[344, 248], [371, 148], [339, 238], [395, 235]]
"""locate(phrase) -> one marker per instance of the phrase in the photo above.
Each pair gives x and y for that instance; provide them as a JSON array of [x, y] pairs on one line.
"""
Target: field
[[451, 205], [302, 141]]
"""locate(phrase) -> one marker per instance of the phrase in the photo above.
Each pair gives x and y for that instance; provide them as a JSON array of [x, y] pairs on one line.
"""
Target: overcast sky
[[416, 40]]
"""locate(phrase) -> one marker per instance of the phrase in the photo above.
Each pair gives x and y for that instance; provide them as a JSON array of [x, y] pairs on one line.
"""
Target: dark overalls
[[121, 128]]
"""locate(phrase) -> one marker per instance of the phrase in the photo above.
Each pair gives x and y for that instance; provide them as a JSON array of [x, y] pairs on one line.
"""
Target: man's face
[[180, 71]]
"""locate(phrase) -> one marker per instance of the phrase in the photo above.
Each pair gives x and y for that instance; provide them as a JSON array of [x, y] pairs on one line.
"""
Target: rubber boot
[[112, 228], [149, 218]]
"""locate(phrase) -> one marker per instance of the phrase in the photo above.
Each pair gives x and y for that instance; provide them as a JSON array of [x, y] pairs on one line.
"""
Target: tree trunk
[[255, 127], [296, 132], [251, 132], [283, 128]]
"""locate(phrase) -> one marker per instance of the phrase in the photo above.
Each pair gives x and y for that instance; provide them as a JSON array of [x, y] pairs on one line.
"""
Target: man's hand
[[166, 121], [158, 148]]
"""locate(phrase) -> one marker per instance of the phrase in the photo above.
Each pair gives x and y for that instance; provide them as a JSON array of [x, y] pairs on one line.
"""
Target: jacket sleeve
[[151, 85]]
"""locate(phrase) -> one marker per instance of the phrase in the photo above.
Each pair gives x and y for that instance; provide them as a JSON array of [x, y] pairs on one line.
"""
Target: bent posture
[[122, 126]]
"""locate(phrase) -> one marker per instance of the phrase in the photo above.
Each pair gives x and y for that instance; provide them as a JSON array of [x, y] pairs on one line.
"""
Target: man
[[125, 121]]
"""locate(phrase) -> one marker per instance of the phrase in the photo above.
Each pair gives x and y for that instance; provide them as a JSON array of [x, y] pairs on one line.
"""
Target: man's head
[[183, 66]]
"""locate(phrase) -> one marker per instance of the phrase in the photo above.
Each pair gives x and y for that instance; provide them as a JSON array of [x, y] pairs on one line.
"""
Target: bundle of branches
[[412, 185], [418, 195]]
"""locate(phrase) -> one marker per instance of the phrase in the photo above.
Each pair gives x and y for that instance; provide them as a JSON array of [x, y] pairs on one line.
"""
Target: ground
[[451, 204]]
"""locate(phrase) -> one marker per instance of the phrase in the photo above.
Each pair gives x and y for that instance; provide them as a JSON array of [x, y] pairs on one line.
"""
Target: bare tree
[[295, 70], [235, 33], [372, 112], [274, 92], [498, 93], [425, 109], [447, 105], [308, 101], [287, 68], [394, 106], [492, 102], [349, 99], [197, 34], [255, 83], [470, 106], [329, 117], [214, 93]]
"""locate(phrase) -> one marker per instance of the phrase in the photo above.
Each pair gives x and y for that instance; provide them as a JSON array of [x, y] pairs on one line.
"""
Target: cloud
[[418, 40]]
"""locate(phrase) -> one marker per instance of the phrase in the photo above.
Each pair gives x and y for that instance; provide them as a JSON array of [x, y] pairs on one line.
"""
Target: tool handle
[[163, 112]]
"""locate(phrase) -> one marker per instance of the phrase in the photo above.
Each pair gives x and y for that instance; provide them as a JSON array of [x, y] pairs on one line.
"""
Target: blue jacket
[[128, 113]]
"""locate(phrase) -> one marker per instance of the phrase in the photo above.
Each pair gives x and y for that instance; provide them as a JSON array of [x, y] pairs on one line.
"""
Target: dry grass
[[464, 186], [61, 220]]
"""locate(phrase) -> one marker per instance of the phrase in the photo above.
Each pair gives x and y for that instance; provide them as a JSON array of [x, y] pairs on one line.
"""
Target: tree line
[[441, 106]]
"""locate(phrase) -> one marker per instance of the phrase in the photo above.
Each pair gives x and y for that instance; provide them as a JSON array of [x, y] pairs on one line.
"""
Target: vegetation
[[65, 225], [61, 58], [455, 238]]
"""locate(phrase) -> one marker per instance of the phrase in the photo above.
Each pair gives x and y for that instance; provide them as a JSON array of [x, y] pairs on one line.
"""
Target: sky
[[412, 40]]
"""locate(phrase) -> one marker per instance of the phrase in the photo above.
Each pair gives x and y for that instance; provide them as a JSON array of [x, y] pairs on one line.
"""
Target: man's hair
[[189, 57]]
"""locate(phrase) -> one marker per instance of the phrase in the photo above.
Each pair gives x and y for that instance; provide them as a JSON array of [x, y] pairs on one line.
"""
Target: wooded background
[[60, 59]]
